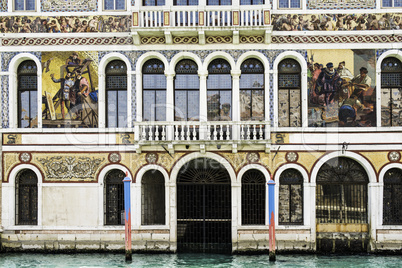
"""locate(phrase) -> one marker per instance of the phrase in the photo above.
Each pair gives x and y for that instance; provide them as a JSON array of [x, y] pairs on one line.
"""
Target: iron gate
[[204, 207]]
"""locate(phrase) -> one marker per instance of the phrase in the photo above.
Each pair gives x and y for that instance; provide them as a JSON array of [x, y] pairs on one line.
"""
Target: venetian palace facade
[[201, 103]]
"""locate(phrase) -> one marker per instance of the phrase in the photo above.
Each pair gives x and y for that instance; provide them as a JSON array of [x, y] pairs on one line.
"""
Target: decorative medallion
[[394, 156], [292, 156], [151, 158], [25, 157], [253, 157], [114, 157]]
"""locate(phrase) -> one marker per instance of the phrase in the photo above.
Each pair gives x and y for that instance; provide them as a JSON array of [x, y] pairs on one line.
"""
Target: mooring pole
[[271, 208], [127, 219]]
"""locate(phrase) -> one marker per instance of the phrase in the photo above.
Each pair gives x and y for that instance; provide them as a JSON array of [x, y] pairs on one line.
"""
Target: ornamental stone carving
[[151, 158], [114, 157], [292, 156], [25, 157], [68, 167], [253, 157], [394, 156]]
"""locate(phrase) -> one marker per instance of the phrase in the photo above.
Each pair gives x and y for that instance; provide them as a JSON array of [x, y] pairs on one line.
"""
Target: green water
[[195, 260]]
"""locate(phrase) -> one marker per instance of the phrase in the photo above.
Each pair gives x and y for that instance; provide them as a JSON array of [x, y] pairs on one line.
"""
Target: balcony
[[213, 133], [199, 22]]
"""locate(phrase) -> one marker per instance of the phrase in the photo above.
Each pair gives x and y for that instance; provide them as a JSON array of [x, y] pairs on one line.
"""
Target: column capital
[[169, 74], [235, 74], [202, 74]]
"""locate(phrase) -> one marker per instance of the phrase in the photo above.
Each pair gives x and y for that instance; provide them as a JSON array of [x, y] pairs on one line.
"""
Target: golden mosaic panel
[[11, 139]]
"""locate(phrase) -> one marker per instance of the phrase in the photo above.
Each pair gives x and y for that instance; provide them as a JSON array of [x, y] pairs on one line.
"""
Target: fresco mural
[[336, 22], [70, 89], [64, 24], [341, 88]]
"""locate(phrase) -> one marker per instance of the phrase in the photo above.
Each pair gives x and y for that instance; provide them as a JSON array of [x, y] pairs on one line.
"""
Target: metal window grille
[[391, 90], [391, 72], [291, 197], [252, 90], [253, 192], [26, 198], [204, 207], [153, 198], [341, 192], [392, 202], [114, 197]]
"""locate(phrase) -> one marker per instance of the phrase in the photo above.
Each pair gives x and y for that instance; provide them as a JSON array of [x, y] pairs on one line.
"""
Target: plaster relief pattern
[[75, 41], [327, 39], [341, 4], [75, 168], [68, 5]]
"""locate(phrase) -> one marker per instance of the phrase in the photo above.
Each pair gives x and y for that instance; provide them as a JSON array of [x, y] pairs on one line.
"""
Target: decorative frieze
[[328, 39], [251, 39], [65, 24], [69, 5], [185, 40], [219, 40], [70, 41], [71, 167], [341, 4], [152, 40]]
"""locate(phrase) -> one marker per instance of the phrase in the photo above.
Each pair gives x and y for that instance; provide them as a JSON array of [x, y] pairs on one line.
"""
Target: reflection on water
[[195, 260]]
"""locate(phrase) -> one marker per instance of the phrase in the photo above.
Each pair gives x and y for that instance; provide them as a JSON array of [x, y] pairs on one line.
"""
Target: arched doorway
[[204, 207], [341, 206]]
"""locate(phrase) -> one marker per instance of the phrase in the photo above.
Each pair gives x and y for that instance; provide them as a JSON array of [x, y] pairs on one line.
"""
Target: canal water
[[11, 260]]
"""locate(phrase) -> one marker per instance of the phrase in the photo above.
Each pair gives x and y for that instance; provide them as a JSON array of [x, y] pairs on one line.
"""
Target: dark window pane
[[149, 100], [114, 197], [153, 198]]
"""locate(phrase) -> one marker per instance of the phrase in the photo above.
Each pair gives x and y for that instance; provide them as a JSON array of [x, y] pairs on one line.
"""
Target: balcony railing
[[203, 131], [201, 16]]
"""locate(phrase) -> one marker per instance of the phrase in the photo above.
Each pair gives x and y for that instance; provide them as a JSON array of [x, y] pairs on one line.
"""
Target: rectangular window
[[391, 3], [24, 5], [115, 5], [117, 108], [251, 2], [153, 3], [289, 3], [219, 2]]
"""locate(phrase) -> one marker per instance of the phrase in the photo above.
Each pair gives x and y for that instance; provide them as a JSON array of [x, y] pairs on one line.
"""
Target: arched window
[[154, 91], [116, 94], [289, 93], [341, 192], [392, 202], [253, 198], [391, 85], [27, 94], [252, 90], [219, 91], [187, 91], [26, 198], [290, 197], [153, 198], [114, 197]]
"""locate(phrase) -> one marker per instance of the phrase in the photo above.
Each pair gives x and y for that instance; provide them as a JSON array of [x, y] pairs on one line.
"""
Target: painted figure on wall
[[336, 22], [342, 96], [71, 99], [64, 24]]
